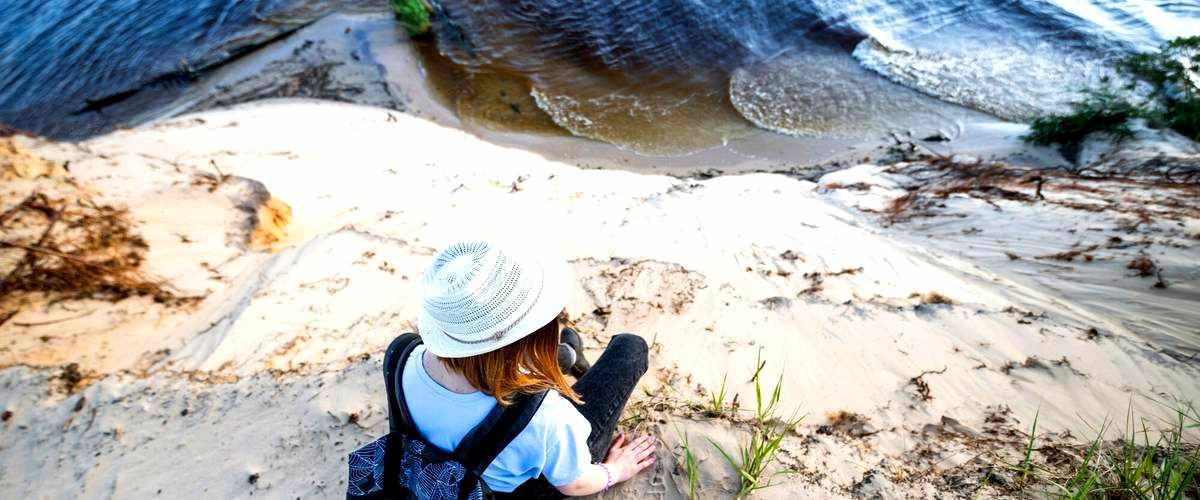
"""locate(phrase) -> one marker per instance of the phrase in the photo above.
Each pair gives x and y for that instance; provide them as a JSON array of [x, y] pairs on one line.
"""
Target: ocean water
[[663, 77], [809, 67], [71, 68], [643, 41]]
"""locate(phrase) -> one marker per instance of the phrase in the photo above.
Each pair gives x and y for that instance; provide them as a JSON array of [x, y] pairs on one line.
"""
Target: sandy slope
[[263, 385]]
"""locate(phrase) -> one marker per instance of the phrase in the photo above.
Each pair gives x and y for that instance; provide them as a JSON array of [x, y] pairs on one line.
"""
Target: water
[[796, 66], [661, 77], [815, 90], [641, 38], [71, 68]]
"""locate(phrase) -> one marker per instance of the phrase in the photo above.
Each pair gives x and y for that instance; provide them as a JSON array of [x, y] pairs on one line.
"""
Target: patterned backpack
[[402, 465]]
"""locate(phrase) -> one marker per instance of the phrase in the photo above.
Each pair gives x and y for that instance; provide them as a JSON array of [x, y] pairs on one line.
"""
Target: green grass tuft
[[754, 456], [1026, 467], [690, 466], [752, 460], [1131, 467], [716, 401], [413, 14]]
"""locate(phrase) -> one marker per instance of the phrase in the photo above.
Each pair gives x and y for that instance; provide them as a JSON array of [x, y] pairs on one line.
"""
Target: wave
[[639, 39], [816, 90], [664, 121], [784, 60]]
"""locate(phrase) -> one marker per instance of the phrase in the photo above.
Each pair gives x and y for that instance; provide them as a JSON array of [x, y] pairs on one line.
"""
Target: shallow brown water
[[493, 100], [661, 120]]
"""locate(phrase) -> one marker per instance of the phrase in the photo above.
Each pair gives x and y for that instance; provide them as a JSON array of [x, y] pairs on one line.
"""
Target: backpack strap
[[501, 425], [399, 418], [483, 443]]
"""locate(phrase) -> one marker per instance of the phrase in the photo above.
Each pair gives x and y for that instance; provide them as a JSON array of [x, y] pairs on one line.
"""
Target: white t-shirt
[[554, 444]]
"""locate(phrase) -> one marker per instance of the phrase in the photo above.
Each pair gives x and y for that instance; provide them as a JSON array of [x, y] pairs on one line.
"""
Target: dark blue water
[[687, 38], [79, 67], [634, 39], [71, 68]]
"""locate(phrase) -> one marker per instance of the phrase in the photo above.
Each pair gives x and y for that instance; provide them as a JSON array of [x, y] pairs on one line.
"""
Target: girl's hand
[[627, 458]]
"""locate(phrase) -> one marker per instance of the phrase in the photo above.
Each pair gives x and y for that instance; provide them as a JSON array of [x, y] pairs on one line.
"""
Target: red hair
[[527, 366]]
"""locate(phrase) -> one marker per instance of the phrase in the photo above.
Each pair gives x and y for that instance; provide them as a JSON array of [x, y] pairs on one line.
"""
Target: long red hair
[[527, 366]]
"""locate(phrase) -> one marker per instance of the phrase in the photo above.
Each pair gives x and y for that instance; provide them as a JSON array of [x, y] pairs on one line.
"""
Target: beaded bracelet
[[607, 477]]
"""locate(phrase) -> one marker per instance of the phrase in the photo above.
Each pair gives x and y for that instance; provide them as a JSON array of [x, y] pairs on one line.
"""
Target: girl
[[491, 332]]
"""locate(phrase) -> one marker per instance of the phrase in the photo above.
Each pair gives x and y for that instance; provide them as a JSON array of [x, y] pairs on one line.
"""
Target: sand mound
[[98, 250], [903, 341]]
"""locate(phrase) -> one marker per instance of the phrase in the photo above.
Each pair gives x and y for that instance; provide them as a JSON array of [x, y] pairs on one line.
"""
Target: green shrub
[[1174, 100], [1185, 118], [1100, 111], [413, 14], [1169, 66]]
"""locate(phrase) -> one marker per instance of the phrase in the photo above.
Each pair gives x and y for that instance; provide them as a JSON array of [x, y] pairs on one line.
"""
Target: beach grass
[[1143, 463], [1026, 465], [689, 464], [754, 457], [716, 400]]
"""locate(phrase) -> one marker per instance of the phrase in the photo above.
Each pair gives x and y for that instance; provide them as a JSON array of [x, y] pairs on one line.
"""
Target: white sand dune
[[265, 384]]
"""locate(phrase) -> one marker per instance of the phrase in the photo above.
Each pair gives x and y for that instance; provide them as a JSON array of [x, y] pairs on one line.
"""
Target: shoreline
[[377, 54]]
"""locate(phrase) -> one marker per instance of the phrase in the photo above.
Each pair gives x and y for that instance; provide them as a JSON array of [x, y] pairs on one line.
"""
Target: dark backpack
[[403, 465]]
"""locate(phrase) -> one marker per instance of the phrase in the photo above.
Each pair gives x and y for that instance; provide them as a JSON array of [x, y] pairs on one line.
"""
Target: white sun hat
[[479, 296]]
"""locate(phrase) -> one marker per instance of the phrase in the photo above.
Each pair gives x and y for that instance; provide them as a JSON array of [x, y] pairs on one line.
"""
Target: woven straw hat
[[478, 297]]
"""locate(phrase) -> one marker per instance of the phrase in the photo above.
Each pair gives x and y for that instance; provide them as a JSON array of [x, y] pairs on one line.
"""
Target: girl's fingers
[[645, 442], [637, 449], [645, 463]]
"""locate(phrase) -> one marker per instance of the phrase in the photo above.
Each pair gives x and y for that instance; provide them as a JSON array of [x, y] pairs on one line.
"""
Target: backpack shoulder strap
[[399, 418], [481, 446]]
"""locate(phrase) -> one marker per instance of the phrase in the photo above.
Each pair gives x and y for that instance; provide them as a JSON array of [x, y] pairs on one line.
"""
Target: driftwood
[[73, 248]]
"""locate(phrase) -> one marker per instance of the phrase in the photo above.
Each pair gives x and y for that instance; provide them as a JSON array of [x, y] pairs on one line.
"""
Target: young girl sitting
[[491, 333]]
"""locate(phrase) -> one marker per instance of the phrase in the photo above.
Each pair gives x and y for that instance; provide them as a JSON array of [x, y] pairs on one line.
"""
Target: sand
[[265, 383]]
